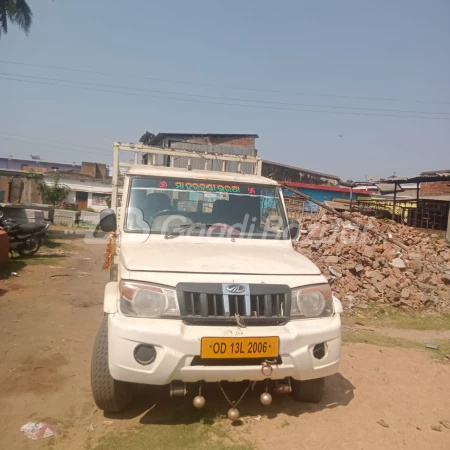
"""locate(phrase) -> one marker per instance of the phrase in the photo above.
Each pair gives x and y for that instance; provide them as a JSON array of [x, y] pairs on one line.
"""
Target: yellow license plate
[[241, 347]]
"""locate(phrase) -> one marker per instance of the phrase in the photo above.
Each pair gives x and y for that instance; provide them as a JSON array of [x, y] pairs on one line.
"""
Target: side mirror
[[108, 220], [294, 228]]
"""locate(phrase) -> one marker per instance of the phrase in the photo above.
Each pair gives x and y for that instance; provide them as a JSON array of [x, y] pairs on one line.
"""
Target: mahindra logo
[[236, 288]]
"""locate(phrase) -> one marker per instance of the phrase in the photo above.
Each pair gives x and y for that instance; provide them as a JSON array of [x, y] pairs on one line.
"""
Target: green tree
[[17, 12], [54, 193]]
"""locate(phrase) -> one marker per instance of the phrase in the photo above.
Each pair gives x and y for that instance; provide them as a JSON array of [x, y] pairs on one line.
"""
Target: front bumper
[[177, 344]]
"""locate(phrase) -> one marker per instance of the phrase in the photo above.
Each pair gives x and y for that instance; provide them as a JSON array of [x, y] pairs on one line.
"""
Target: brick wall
[[436, 188], [101, 170], [94, 170], [88, 168], [29, 192]]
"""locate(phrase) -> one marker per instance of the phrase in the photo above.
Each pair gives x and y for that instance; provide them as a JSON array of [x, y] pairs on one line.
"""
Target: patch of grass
[[396, 318], [57, 244], [368, 337], [171, 437], [17, 263], [45, 260], [285, 423]]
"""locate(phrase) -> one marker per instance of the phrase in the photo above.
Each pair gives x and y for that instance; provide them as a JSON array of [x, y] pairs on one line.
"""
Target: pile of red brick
[[365, 268]]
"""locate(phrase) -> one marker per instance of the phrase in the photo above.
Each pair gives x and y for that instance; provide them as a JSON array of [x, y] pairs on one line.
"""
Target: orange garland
[[110, 251]]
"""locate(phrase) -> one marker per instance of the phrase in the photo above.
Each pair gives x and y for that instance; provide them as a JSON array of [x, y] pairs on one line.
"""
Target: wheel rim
[[32, 246]]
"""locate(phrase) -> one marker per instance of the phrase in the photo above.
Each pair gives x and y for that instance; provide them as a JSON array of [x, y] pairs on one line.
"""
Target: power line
[[45, 144], [55, 142], [222, 86], [226, 104], [223, 98]]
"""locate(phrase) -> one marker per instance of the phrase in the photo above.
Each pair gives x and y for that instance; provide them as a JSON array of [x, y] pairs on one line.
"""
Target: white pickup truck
[[208, 288]]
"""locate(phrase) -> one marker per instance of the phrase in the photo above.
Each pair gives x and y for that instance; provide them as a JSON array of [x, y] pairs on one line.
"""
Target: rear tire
[[308, 391], [109, 394], [34, 243]]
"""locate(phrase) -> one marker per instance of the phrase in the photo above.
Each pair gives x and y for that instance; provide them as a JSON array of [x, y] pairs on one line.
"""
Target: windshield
[[206, 208]]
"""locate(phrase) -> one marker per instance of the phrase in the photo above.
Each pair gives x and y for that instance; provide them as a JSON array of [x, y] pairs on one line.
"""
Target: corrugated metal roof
[[436, 172], [299, 169], [327, 188], [419, 179]]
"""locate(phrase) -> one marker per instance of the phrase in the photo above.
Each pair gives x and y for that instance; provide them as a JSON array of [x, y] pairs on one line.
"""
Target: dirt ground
[[48, 320]]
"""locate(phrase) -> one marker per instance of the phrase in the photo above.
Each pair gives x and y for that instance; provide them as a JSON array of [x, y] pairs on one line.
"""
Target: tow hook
[[266, 367]]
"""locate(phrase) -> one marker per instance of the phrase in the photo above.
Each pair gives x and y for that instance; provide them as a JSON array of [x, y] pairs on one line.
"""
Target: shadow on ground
[[157, 407], [12, 266]]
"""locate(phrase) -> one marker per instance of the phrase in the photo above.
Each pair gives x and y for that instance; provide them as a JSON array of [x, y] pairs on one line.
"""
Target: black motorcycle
[[25, 239]]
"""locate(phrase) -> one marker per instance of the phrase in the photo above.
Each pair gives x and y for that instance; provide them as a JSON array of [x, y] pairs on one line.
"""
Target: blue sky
[[377, 49]]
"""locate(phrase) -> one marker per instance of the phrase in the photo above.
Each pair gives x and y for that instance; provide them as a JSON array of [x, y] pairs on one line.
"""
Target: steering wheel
[[164, 212]]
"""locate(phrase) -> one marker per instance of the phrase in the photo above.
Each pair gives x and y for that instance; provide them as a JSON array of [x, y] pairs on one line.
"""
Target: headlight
[[146, 300], [312, 301]]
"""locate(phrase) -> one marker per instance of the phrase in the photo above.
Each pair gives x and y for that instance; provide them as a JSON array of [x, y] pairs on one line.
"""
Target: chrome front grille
[[213, 303]]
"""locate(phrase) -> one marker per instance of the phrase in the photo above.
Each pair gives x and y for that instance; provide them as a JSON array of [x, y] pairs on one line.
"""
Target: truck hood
[[231, 258]]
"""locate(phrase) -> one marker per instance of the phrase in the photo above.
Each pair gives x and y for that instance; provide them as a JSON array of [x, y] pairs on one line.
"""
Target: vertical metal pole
[[448, 224], [395, 201], [115, 178], [351, 197]]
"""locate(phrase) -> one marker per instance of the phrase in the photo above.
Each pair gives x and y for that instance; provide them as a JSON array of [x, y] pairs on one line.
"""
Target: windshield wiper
[[182, 229]]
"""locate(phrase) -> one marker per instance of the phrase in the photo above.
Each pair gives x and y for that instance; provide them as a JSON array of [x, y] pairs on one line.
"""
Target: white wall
[[71, 197], [95, 207]]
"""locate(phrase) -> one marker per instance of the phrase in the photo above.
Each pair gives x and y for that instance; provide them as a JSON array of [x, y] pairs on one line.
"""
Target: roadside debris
[[366, 268], [436, 427], [38, 430], [432, 346], [445, 423], [14, 274], [335, 272], [383, 423]]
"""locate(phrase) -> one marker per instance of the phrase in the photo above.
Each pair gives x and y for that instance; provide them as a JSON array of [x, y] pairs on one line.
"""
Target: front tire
[[109, 394], [308, 391]]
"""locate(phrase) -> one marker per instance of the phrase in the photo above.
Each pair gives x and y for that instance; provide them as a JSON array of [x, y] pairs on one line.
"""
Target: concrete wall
[[25, 214], [63, 217], [95, 201]]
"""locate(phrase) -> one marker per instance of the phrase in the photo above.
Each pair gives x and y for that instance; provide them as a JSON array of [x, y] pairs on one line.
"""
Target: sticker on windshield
[[206, 187]]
